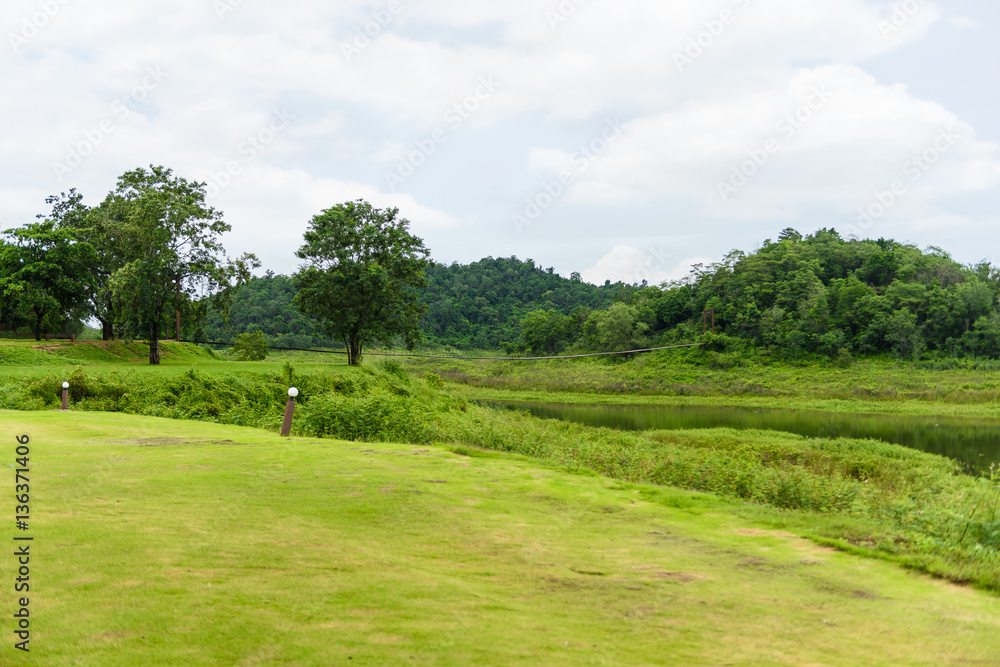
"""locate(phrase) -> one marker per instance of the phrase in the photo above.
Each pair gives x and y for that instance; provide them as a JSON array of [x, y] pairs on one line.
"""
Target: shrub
[[377, 417], [433, 380], [251, 346]]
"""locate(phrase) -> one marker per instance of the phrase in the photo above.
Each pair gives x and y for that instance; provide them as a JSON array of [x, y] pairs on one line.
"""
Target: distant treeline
[[818, 294], [475, 306]]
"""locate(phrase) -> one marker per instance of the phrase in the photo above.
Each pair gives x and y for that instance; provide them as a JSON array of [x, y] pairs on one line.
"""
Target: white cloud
[[827, 136], [559, 82], [632, 265]]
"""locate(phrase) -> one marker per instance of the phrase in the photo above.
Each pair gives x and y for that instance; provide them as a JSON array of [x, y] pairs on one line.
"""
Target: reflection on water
[[975, 442]]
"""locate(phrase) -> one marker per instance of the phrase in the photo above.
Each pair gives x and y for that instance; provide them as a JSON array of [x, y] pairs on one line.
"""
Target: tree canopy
[[362, 274], [171, 250], [42, 273]]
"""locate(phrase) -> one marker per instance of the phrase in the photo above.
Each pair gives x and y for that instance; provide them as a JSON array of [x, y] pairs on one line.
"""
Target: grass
[[171, 542], [673, 378], [863, 497], [866, 496]]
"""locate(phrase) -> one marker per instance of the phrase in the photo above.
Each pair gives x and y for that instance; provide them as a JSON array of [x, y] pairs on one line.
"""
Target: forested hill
[[470, 306], [818, 294], [822, 293], [481, 305]]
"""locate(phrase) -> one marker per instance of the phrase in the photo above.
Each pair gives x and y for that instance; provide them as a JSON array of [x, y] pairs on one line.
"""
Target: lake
[[973, 442]]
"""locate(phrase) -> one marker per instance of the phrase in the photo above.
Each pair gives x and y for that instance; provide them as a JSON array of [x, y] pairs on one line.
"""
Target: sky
[[621, 139]]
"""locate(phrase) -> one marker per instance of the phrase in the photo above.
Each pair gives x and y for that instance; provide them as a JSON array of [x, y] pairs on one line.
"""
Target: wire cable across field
[[439, 356]]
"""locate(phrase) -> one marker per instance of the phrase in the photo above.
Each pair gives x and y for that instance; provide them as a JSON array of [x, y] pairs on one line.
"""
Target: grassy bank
[[684, 378], [865, 496], [177, 542]]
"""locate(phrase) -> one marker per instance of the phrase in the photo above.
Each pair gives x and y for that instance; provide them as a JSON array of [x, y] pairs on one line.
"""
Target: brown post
[[286, 426], [65, 396]]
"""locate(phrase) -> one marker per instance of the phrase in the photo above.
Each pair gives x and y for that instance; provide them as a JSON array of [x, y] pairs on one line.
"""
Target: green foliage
[[378, 416], [818, 294], [363, 269], [251, 346], [481, 305], [392, 367], [266, 304], [172, 253], [42, 273]]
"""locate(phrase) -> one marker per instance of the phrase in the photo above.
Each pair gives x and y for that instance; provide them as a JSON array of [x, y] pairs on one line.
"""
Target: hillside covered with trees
[[822, 293], [469, 306], [798, 295]]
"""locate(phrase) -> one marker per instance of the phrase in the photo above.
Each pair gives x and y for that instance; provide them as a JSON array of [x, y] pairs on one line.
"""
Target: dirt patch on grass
[[679, 577], [178, 442], [764, 533]]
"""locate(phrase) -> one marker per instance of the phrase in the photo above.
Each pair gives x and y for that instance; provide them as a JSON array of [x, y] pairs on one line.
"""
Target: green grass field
[[509, 540], [166, 542]]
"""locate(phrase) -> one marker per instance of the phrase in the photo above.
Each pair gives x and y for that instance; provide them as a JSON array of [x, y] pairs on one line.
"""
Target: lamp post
[[65, 395], [286, 426]]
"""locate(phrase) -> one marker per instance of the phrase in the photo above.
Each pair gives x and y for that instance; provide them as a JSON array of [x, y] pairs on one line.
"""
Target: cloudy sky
[[623, 139]]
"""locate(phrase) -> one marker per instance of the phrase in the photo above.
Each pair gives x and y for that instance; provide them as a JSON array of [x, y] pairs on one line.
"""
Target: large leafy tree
[[104, 236], [362, 274], [42, 272], [171, 257]]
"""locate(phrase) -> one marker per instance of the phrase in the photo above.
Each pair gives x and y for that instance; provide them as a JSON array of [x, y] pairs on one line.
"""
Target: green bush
[[433, 380], [378, 417], [251, 346]]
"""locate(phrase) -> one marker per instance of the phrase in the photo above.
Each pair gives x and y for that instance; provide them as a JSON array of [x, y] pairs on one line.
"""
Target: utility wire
[[437, 356]]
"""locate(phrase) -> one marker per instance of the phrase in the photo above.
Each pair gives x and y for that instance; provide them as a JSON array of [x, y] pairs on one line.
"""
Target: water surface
[[973, 442]]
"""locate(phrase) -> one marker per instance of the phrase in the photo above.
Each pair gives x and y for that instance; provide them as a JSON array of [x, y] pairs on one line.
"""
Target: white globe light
[[293, 392], [65, 385]]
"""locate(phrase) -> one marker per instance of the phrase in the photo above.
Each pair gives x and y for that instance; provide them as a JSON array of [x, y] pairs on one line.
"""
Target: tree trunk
[[38, 326], [107, 333], [154, 345], [353, 351]]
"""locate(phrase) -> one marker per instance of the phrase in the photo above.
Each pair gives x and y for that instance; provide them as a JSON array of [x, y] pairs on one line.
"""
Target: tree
[[251, 346], [104, 235], [363, 269], [547, 331], [171, 257], [41, 273], [618, 328]]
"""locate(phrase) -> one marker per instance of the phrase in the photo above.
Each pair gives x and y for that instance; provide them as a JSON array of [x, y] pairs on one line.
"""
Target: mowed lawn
[[161, 542]]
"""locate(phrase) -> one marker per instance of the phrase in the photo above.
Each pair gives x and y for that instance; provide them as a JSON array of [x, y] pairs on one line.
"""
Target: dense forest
[[816, 294], [469, 306], [824, 294], [482, 305]]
